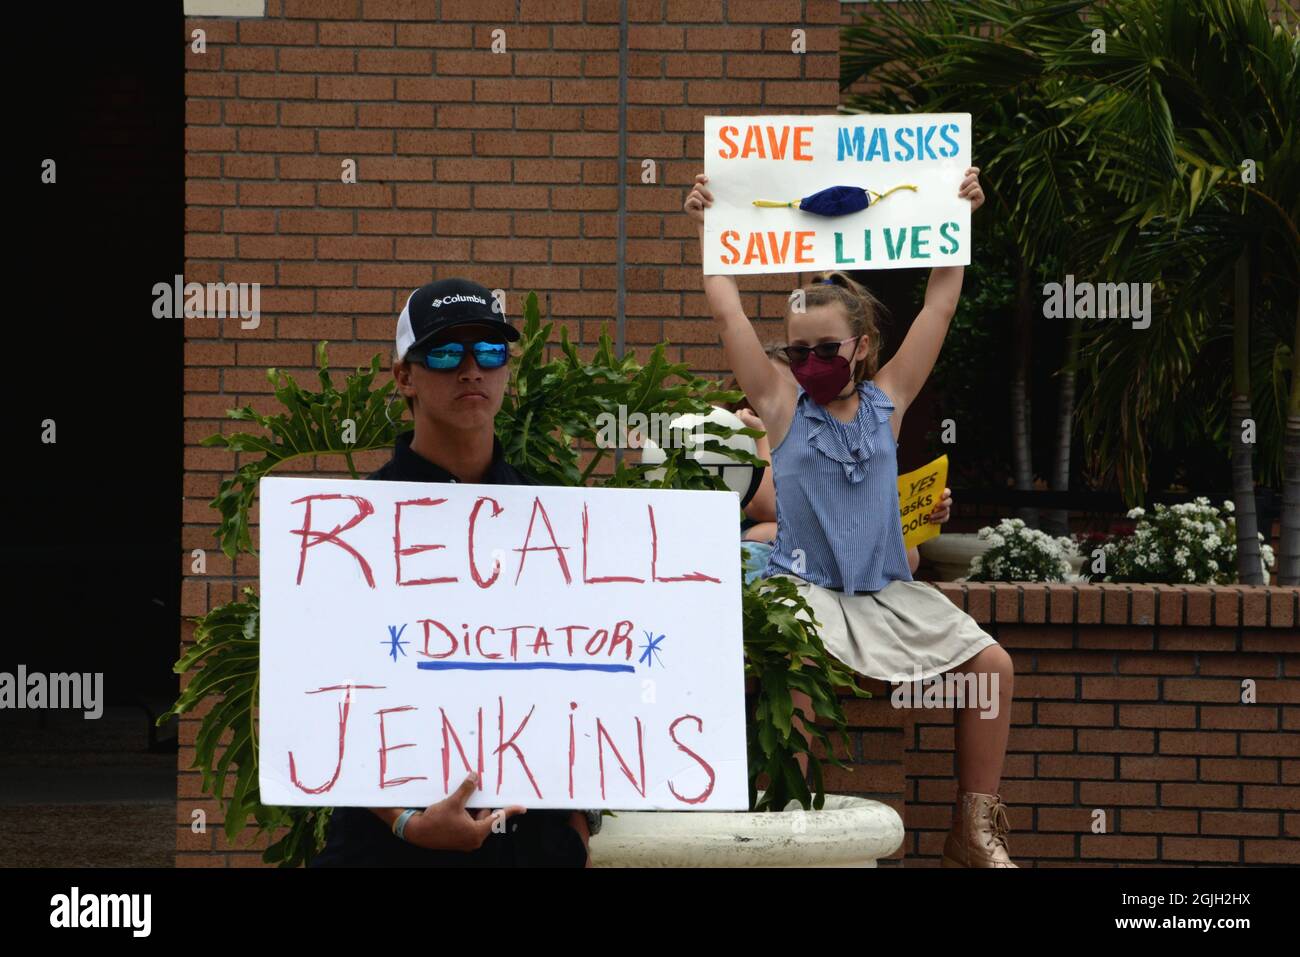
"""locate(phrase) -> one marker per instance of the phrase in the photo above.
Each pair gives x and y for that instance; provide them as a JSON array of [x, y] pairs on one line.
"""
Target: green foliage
[[312, 423], [1222, 79], [1127, 165], [990, 59], [552, 411], [224, 659], [225, 654], [553, 408], [784, 653]]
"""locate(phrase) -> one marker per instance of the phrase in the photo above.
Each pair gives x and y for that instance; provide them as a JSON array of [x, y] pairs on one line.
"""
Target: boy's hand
[[751, 420], [942, 510], [448, 825], [971, 189], [699, 200]]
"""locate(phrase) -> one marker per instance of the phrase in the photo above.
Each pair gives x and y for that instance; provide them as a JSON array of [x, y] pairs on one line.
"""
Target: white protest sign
[[579, 647], [912, 167]]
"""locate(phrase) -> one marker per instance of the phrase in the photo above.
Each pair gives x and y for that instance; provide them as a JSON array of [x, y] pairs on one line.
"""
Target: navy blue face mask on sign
[[834, 201]]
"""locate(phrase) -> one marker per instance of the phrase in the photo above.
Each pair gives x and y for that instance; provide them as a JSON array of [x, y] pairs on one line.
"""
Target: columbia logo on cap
[[446, 299]]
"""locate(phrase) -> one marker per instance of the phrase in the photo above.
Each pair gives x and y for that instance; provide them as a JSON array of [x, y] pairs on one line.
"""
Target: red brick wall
[[1127, 700], [502, 167]]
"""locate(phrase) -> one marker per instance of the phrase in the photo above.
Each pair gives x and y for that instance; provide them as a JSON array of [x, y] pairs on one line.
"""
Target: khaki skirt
[[905, 632]]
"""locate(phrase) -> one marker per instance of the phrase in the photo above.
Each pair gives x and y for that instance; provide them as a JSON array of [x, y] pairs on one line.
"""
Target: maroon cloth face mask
[[822, 378]]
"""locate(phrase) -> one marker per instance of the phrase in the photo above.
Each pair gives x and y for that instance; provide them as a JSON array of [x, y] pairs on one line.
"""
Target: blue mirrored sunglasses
[[449, 355]]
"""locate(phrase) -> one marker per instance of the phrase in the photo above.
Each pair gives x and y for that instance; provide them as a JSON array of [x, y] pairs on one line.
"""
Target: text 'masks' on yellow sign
[[805, 193], [918, 493]]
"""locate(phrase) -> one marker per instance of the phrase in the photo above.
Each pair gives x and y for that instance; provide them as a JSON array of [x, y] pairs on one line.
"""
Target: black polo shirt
[[539, 838], [407, 465]]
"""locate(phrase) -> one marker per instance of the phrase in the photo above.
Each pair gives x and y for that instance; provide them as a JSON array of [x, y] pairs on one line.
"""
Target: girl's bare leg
[[981, 741], [978, 837]]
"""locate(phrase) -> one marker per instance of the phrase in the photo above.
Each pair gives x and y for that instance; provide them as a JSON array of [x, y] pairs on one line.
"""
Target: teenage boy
[[452, 365]]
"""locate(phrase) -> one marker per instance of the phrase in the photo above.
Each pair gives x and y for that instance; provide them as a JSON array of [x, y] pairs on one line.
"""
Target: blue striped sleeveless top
[[837, 497]]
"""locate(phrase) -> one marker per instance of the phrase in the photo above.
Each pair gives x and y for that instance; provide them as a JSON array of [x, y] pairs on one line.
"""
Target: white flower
[[1136, 512], [1212, 542], [1228, 506], [996, 540]]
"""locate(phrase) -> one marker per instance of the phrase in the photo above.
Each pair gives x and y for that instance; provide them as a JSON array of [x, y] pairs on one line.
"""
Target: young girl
[[758, 530], [833, 433]]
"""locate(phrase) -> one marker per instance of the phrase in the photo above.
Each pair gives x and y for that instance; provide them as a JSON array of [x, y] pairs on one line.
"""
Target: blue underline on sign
[[517, 666]]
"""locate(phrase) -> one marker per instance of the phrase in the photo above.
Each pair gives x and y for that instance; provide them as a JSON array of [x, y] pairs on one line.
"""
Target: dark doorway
[[92, 558], [95, 549]]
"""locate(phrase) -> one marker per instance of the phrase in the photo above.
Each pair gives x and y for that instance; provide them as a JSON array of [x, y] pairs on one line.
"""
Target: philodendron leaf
[[784, 651], [224, 659], [311, 424]]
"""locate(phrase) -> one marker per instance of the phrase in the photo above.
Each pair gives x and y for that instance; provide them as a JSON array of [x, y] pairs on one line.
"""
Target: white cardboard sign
[[579, 647], [787, 158]]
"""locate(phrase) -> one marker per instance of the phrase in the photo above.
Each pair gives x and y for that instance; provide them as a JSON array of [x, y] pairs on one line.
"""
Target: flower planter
[[951, 552], [847, 832]]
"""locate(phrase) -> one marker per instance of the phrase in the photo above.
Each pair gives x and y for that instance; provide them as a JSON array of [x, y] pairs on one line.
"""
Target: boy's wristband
[[399, 825]]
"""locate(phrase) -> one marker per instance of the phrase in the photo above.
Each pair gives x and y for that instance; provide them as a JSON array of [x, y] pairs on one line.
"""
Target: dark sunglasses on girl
[[488, 353], [798, 355]]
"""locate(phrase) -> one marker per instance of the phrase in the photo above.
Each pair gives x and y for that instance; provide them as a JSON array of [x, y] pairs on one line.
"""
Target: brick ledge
[[1206, 606]]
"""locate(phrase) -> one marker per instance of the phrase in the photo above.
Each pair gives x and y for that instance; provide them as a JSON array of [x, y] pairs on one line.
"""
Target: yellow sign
[[918, 493]]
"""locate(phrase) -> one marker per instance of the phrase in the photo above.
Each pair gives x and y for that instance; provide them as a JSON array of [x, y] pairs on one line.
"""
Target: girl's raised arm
[[904, 374], [744, 353]]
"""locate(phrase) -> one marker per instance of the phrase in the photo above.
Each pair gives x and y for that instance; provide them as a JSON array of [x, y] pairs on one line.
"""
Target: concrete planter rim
[[848, 831]]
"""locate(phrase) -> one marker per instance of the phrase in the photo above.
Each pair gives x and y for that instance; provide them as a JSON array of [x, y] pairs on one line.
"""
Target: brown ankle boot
[[979, 834]]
